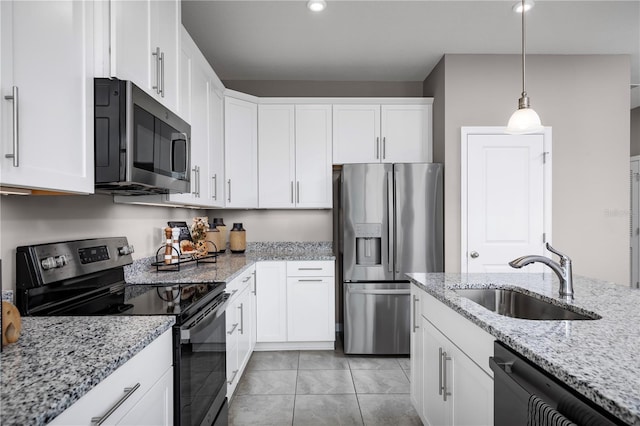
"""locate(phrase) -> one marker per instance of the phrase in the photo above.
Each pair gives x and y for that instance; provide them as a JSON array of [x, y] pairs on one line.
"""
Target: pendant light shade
[[525, 120]]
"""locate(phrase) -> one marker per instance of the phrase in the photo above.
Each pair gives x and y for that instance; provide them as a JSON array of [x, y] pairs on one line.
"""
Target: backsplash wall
[[41, 219]]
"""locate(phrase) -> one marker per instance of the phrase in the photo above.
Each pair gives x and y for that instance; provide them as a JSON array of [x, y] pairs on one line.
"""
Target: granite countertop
[[600, 359], [59, 359], [228, 266]]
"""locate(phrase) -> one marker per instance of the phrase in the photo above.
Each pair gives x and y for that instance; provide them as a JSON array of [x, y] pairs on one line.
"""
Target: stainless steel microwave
[[140, 146]]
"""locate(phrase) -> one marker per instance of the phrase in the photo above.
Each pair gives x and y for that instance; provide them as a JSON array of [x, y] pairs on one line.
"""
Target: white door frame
[[497, 130]]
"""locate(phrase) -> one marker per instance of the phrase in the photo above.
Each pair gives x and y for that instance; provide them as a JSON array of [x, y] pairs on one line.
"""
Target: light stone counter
[[600, 359], [59, 359]]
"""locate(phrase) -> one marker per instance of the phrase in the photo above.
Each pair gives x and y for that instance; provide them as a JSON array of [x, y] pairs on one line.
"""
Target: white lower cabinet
[[451, 382], [140, 392], [295, 305], [240, 322]]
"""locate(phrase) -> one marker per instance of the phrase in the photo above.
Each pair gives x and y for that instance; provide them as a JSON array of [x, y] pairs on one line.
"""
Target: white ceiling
[[397, 40]]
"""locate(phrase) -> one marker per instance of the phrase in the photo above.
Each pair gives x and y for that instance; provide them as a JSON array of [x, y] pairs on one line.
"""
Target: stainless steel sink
[[514, 304]]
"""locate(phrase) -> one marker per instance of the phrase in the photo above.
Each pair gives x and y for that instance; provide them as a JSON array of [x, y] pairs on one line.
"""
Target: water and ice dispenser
[[368, 244]]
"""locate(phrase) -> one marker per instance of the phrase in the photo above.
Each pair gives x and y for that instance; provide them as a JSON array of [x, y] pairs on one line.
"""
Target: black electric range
[[86, 277]]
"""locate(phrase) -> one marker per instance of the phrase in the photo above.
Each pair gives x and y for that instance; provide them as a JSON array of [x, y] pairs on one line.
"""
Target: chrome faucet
[[562, 269]]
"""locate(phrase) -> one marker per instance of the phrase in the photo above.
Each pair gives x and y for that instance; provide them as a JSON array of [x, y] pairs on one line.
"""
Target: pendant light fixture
[[524, 120]]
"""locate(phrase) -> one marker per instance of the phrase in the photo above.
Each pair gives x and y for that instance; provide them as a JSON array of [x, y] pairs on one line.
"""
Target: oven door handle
[[201, 322]]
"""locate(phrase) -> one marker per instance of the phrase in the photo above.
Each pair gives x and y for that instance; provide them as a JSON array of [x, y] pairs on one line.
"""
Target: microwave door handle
[[180, 137]]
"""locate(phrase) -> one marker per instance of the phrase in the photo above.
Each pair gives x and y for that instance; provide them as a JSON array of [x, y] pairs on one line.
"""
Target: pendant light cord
[[524, 92]]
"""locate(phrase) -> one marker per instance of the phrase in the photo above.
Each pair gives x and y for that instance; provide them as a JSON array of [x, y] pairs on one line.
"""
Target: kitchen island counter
[[228, 266], [57, 360], [597, 358]]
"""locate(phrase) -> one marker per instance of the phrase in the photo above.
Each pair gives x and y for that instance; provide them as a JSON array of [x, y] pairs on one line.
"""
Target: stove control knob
[[125, 250], [61, 261], [48, 263]]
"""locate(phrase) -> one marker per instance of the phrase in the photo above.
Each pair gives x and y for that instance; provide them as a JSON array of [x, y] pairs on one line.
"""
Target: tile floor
[[323, 388]]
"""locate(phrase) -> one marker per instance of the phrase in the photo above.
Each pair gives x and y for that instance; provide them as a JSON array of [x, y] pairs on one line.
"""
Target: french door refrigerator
[[392, 224]]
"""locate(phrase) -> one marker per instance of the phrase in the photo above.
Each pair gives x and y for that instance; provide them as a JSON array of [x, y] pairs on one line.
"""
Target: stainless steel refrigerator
[[392, 224]]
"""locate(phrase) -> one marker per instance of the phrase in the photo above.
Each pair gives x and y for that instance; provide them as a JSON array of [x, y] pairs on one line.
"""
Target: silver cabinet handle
[[97, 421], [246, 279], [241, 307], [255, 286], [440, 371], [196, 173], [235, 373], [229, 193], [309, 269], [233, 328], [384, 148], [445, 392], [377, 148], [474, 254], [292, 192], [157, 55], [415, 324], [297, 191], [16, 140], [309, 281], [162, 74], [215, 187]]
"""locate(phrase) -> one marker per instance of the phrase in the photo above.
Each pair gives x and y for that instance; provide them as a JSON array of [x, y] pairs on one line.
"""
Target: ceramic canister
[[221, 243], [237, 239]]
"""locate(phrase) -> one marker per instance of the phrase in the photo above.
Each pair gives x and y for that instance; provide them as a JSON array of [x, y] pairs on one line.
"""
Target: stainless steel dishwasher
[[377, 318], [526, 395]]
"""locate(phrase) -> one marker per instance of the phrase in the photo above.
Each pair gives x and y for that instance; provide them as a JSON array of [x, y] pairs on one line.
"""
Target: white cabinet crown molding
[[342, 101]]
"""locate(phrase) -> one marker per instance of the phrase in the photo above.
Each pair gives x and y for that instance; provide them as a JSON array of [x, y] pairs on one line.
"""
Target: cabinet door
[[244, 329], [241, 153], [232, 324], [406, 134], [416, 351], [472, 391], [198, 87], [131, 52], [156, 406], [276, 156], [313, 163], [166, 23], [435, 408], [310, 309], [216, 149], [356, 134], [47, 55], [271, 301]]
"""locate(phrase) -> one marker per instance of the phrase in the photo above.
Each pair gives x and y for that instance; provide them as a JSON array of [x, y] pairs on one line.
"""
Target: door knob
[[474, 254]]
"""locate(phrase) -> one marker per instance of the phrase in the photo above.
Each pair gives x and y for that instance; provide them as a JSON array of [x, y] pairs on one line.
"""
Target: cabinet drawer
[[315, 268], [238, 284], [138, 375]]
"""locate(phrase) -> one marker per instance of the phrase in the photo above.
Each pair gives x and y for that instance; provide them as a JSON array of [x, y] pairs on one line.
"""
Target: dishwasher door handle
[[381, 292]]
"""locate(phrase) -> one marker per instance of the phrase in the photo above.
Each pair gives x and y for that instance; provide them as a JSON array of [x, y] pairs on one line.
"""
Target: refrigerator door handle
[[391, 220]]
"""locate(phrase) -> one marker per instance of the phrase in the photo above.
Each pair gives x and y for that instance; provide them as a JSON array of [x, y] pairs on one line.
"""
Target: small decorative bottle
[[237, 239], [213, 239], [175, 252]]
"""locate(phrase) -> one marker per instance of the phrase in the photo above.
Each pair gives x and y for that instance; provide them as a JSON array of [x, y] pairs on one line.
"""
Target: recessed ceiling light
[[317, 5], [528, 5]]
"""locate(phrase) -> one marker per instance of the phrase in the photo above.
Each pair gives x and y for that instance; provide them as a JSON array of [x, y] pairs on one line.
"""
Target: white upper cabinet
[[145, 46], [393, 133], [406, 134], [216, 149], [276, 156], [46, 138], [313, 156], [241, 152], [294, 159]]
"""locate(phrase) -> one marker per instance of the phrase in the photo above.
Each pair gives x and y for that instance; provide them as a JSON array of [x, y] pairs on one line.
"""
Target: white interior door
[[634, 228], [505, 198]]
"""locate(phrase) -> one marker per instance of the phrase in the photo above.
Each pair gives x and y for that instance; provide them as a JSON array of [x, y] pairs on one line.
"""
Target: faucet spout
[[562, 269]]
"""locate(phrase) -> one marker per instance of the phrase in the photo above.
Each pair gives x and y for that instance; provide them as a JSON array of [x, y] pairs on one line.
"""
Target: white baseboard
[[294, 346]]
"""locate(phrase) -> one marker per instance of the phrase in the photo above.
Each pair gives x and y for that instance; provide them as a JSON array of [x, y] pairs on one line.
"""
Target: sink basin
[[514, 304]]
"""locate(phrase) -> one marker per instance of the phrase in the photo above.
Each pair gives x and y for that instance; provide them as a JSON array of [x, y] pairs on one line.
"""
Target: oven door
[[201, 381]]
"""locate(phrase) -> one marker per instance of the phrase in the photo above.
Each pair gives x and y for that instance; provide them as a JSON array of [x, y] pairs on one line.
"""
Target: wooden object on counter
[[237, 239], [218, 222], [213, 240], [11, 323], [168, 245]]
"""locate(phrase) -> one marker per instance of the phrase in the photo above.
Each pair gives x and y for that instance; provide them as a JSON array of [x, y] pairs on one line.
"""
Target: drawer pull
[[232, 329], [97, 421], [235, 373], [309, 269], [309, 281], [246, 279]]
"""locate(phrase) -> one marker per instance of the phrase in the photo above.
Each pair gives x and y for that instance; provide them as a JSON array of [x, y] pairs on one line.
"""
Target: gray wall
[[40, 219], [295, 88], [635, 131], [585, 99]]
